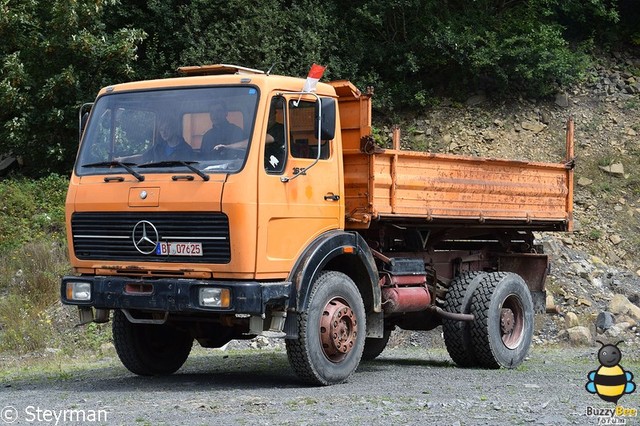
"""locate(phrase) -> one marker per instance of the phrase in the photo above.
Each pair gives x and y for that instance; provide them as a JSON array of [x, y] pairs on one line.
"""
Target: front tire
[[503, 327], [149, 349], [331, 331]]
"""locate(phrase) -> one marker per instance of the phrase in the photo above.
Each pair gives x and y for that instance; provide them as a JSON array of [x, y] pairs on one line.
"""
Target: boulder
[[616, 169], [605, 320], [622, 306], [532, 126], [579, 335], [583, 181], [571, 320], [562, 100], [615, 239]]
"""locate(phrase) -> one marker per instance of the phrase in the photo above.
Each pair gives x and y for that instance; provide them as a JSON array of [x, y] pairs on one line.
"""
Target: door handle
[[331, 197]]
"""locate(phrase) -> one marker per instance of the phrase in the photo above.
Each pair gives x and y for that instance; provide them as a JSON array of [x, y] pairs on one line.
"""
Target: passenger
[[170, 146], [222, 134]]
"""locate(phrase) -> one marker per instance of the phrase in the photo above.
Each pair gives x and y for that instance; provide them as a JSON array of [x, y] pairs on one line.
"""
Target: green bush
[[32, 210]]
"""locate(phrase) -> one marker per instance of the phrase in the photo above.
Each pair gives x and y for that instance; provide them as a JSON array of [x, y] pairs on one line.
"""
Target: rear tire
[[149, 349], [503, 327], [457, 334], [331, 331]]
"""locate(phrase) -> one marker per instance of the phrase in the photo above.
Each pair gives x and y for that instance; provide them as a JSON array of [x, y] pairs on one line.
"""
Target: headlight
[[79, 291], [211, 297]]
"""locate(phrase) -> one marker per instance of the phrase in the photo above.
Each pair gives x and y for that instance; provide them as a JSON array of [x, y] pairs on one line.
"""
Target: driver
[[222, 133]]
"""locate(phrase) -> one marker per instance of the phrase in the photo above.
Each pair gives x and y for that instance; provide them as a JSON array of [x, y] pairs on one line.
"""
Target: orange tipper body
[[227, 203]]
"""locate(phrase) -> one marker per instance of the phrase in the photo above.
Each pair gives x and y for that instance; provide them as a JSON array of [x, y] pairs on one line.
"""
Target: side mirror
[[83, 117], [326, 108]]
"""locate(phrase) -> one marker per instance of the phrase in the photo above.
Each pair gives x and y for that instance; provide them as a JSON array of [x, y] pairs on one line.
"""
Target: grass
[[29, 281], [33, 257]]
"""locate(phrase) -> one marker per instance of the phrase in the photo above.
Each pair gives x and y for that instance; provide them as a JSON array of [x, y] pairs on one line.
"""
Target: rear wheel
[[457, 334], [331, 331], [503, 326], [149, 349]]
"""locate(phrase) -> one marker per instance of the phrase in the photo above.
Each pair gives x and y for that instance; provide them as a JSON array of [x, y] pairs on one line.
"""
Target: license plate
[[179, 249]]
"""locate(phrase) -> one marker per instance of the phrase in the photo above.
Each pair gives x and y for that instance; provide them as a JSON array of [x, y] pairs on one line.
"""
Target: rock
[[533, 126], [616, 169], [562, 100], [489, 136], [584, 302], [551, 304], [632, 132], [627, 321], [7, 163], [621, 305], [615, 239], [476, 100], [605, 320], [583, 181], [571, 320], [579, 335], [614, 331]]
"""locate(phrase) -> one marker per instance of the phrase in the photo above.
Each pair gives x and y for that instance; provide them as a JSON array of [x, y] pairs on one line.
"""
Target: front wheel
[[331, 331], [503, 327], [149, 349]]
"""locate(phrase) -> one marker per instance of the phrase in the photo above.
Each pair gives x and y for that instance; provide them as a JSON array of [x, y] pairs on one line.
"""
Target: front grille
[[108, 236]]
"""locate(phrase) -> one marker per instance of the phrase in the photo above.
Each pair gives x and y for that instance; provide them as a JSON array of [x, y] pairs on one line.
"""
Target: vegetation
[[410, 50], [32, 259]]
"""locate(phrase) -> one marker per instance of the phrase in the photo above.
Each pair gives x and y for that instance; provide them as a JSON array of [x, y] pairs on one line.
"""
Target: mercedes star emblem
[[145, 237]]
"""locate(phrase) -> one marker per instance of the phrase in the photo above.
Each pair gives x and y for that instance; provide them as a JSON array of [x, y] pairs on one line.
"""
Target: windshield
[[169, 130]]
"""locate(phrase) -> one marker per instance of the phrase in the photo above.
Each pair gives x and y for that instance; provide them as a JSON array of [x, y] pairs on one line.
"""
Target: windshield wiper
[[125, 166], [187, 164]]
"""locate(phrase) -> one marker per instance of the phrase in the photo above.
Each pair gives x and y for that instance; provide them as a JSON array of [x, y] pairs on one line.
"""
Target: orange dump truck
[[227, 203]]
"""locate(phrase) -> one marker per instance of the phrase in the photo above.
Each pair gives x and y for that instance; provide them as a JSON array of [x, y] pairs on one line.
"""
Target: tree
[[53, 57]]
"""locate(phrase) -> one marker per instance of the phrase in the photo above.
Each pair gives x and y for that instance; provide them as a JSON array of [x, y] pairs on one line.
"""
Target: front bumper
[[178, 295]]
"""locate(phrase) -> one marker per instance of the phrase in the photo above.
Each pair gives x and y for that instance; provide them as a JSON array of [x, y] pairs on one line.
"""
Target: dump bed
[[409, 187]]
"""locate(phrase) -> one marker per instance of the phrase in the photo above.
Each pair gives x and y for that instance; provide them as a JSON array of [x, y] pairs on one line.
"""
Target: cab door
[[294, 208]]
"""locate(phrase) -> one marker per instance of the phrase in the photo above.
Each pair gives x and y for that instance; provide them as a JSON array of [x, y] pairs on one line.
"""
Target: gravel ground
[[407, 384]]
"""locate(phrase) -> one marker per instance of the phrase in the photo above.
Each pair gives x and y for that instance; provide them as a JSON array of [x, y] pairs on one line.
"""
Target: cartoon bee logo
[[610, 381]]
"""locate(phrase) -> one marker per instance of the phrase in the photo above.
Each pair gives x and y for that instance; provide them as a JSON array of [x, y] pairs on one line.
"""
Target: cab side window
[[275, 140], [304, 139]]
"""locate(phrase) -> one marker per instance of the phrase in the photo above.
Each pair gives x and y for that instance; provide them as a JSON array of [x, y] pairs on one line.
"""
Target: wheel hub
[[512, 322], [338, 329], [507, 321]]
